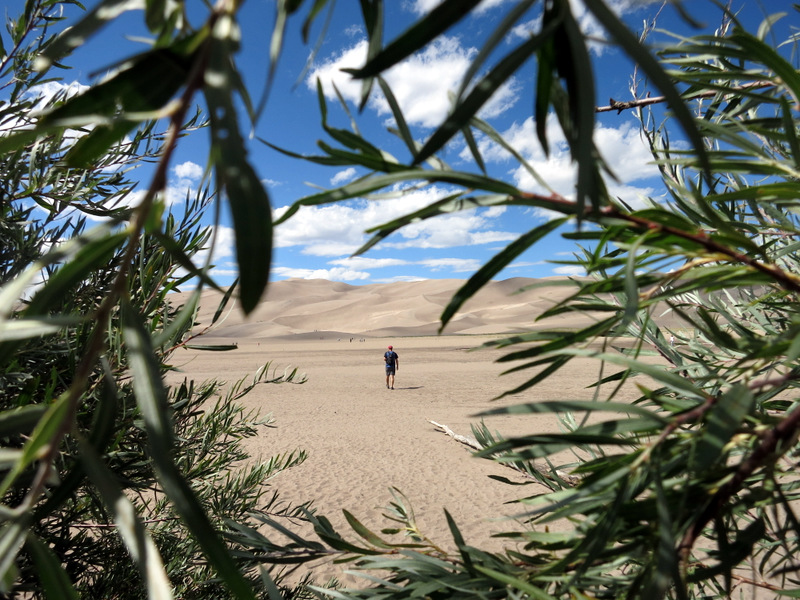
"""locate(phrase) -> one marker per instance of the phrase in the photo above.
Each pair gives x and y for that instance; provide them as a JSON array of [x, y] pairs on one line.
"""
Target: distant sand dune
[[299, 307], [364, 439]]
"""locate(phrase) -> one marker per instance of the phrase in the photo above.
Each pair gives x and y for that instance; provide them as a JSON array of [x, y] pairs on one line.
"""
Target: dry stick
[[472, 443], [619, 106]]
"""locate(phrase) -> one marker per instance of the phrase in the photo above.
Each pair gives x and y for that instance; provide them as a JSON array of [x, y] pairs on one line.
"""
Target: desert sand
[[363, 439]]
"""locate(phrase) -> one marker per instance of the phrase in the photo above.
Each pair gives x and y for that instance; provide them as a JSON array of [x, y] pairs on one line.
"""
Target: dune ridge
[[301, 307]]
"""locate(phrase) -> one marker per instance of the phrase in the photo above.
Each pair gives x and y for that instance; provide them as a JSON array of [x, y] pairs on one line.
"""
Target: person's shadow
[[413, 387]]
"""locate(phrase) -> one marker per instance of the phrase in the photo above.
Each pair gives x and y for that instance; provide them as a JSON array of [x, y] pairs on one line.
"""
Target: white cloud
[[586, 21], [188, 170], [420, 84], [338, 229], [335, 274], [623, 148], [570, 271], [184, 182], [422, 7], [342, 176], [363, 262], [455, 265]]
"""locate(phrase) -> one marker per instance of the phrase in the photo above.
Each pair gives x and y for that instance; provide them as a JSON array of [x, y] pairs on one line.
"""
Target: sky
[[318, 242]]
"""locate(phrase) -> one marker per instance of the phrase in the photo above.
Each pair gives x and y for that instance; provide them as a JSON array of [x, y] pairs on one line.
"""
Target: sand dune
[[363, 439], [300, 307]]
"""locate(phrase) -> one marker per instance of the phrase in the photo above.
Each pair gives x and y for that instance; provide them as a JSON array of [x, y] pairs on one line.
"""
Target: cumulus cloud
[[188, 171], [343, 176], [623, 148], [570, 271], [338, 229], [184, 181], [422, 7], [587, 22], [421, 84], [454, 265], [363, 262], [335, 274]]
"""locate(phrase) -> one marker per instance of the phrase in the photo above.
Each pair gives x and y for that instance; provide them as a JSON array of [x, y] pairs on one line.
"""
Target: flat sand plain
[[363, 439]]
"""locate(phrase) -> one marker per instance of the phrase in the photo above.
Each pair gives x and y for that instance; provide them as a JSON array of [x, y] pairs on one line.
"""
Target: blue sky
[[317, 242]]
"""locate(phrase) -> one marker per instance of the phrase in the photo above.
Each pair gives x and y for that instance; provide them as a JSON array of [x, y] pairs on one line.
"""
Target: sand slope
[[299, 307], [362, 439]]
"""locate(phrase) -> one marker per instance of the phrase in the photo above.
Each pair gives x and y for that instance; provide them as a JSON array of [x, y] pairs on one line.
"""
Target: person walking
[[392, 366]]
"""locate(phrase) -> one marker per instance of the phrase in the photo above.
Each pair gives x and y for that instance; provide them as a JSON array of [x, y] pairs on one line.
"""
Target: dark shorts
[[390, 369]]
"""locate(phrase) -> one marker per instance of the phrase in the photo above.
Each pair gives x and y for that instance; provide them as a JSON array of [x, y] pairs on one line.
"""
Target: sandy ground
[[363, 439]]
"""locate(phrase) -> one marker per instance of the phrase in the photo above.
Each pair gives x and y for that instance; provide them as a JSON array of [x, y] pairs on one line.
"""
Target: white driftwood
[[473, 443], [467, 441]]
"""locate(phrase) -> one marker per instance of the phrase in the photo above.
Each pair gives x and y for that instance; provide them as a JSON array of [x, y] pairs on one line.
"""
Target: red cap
[[390, 347]]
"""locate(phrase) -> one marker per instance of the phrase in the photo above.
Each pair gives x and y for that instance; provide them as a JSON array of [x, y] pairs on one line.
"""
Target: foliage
[[682, 488], [113, 485], [691, 491]]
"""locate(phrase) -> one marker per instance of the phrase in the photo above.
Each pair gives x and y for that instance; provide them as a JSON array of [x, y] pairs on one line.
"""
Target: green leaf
[[133, 532], [722, 422], [515, 582], [467, 108], [12, 537], [54, 579], [495, 265], [47, 430], [441, 18], [641, 56], [152, 401], [26, 328], [247, 197], [78, 34], [21, 419], [365, 533]]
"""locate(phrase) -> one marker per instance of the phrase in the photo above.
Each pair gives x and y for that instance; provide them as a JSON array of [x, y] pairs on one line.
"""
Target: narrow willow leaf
[[468, 107], [399, 118], [580, 78], [365, 533], [460, 544], [133, 532], [367, 185], [372, 12], [22, 329], [78, 34], [495, 265], [12, 537], [171, 246], [212, 347], [247, 197], [20, 420], [441, 18], [515, 582], [94, 253], [722, 423], [560, 406], [41, 439], [630, 43], [103, 430], [54, 579], [152, 401], [179, 323], [665, 570], [498, 36], [657, 372]]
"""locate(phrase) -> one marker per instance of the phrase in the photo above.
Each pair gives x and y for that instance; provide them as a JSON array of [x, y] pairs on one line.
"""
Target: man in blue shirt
[[392, 365]]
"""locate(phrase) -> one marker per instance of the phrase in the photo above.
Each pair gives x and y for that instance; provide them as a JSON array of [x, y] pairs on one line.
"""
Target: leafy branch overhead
[[679, 495], [115, 485]]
